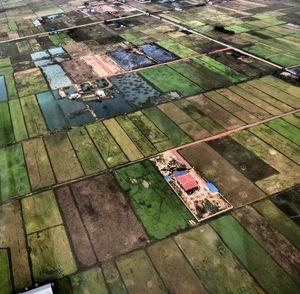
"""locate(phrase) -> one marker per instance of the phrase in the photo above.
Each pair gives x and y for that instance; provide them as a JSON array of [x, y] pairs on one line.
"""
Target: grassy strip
[[107, 146], [86, 151], [285, 129], [282, 85], [18, 122], [221, 68], [113, 278], [132, 39], [62, 157], [279, 220], [13, 176], [34, 120], [257, 261], [176, 48], [5, 277], [49, 263], [90, 281], [128, 147], [176, 136], [7, 72], [219, 269], [161, 212], [136, 136], [40, 212], [137, 271], [6, 128], [38, 165]]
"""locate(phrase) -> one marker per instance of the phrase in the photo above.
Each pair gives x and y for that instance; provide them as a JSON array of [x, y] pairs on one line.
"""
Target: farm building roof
[[187, 181]]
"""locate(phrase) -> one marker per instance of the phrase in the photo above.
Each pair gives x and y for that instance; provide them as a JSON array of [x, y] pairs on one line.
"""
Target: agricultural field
[[150, 147]]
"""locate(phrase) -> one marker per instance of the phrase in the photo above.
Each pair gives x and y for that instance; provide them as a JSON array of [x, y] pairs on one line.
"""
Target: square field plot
[[96, 210]]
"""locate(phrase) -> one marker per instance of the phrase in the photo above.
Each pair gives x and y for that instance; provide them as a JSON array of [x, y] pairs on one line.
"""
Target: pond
[[3, 93]]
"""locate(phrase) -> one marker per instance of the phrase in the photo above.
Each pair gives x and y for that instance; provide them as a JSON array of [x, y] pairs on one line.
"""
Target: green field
[[161, 212], [6, 128], [18, 122], [147, 127], [107, 146], [256, 260], [176, 48], [214, 262], [62, 157], [166, 257], [136, 136], [139, 274], [86, 151], [176, 136], [5, 276], [90, 281], [34, 120], [7, 72], [38, 165], [128, 147], [280, 221], [166, 80], [13, 176], [40, 212], [50, 262], [113, 278]]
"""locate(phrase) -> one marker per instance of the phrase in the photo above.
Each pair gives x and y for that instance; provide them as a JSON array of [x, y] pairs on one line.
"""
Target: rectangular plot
[[288, 171], [107, 146], [12, 236], [176, 48], [282, 251], [246, 162], [161, 212], [13, 176], [236, 188], [214, 263], [211, 109], [49, 263], [288, 202], [263, 108], [77, 232], [90, 281], [293, 119], [244, 103], [276, 93], [285, 129], [62, 157], [220, 68], [86, 151], [194, 130], [107, 217], [279, 220], [136, 136], [34, 120], [166, 80], [176, 136], [113, 278], [166, 257], [40, 212], [174, 113], [17, 120], [128, 147], [282, 85], [265, 97], [139, 274], [147, 127], [200, 75], [6, 128], [277, 141], [5, 276], [257, 261], [38, 165]]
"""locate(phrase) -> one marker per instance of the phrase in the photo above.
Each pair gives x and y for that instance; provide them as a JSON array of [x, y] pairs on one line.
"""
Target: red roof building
[[187, 182]]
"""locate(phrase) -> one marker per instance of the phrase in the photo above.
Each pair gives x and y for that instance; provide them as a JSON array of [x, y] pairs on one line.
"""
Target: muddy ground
[[101, 213]]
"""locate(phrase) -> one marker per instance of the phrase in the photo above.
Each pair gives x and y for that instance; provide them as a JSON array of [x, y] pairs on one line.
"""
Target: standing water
[[3, 93]]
